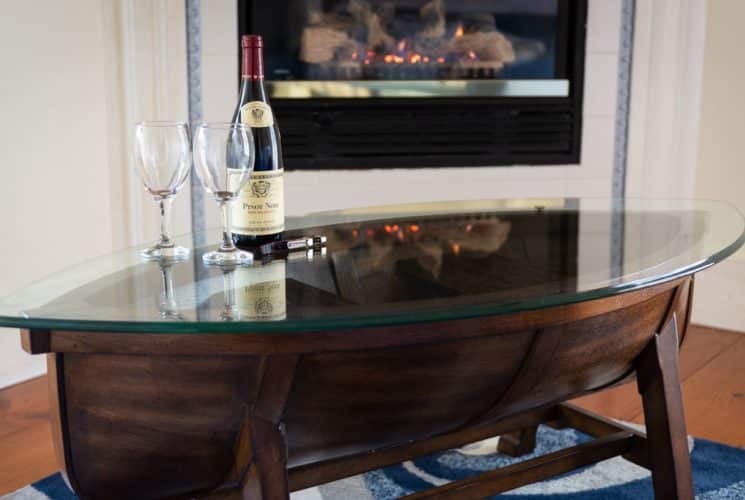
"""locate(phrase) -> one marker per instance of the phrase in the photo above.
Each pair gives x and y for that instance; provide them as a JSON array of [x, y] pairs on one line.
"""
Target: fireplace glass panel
[[423, 83], [349, 40]]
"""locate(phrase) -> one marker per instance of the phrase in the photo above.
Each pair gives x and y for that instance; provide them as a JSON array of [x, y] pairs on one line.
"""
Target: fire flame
[[393, 58], [404, 54]]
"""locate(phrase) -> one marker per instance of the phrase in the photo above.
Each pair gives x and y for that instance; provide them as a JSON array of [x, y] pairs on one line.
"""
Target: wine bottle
[[259, 213]]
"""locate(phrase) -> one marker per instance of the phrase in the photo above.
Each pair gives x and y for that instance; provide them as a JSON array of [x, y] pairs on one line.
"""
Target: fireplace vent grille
[[339, 136]]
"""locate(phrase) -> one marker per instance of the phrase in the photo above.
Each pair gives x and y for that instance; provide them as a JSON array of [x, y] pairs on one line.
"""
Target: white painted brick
[[601, 84], [219, 27], [598, 143], [603, 25], [219, 87]]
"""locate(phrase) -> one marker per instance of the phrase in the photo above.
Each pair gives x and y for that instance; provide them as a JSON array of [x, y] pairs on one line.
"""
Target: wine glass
[[162, 162], [224, 160]]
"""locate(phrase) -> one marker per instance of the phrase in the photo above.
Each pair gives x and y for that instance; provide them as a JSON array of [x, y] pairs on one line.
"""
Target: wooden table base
[[663, 449], [256, 416]]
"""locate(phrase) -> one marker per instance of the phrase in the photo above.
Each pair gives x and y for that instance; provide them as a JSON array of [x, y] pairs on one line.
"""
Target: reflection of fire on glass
[[427, 241], [353, 39]]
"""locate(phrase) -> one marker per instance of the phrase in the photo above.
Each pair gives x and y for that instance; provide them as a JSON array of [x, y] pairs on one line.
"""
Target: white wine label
[[260, 208], [257, 114], [260, 292]]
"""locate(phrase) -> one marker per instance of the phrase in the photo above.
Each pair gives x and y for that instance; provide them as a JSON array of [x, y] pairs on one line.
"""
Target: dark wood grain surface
[[658, 380], [711, 372]]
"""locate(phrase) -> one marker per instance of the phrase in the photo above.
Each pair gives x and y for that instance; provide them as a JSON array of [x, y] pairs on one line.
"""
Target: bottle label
[[260, 292], [260, 208], [257, 114]]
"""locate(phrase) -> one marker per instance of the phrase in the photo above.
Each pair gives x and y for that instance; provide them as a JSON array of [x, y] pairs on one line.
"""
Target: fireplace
[[423, 83]]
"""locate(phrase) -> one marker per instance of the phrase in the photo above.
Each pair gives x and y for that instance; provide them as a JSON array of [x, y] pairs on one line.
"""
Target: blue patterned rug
[[718, 473]]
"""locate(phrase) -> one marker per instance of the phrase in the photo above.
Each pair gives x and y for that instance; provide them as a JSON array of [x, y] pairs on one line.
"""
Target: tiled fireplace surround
[[320, 190]]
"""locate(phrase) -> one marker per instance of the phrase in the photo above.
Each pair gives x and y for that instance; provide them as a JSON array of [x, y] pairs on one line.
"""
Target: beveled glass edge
[[461, 312], [312, 325]]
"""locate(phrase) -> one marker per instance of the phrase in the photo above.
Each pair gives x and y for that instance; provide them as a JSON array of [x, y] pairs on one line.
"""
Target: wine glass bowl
[[223, 160], [162, 161]]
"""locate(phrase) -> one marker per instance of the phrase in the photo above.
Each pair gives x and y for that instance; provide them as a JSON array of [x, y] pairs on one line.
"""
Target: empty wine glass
[[224, 159], [162, 162]]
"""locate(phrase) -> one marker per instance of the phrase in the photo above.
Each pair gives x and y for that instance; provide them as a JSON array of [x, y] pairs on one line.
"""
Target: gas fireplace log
[[320, 44], [432, 15], [377, 37], [486, 46], [348, 37]]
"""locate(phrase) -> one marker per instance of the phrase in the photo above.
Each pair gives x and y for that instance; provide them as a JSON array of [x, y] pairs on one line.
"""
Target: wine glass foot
[[228, 258], [172, 254]]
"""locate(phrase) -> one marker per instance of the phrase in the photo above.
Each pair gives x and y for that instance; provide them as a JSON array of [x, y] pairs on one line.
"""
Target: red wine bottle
[[259, 213]]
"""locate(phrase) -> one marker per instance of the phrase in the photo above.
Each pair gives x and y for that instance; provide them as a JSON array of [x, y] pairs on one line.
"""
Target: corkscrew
[[294, 245]]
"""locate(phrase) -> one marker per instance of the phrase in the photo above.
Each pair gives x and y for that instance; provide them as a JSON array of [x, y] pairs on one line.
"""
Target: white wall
[[720, 291], [665, 93], [76, 75], [146, 80], [320, 190], [54, 196]]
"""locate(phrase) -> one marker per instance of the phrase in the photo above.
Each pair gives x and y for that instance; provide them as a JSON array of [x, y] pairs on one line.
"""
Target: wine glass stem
[[229, 288], [165, 222], [227, 235], [168, 302]]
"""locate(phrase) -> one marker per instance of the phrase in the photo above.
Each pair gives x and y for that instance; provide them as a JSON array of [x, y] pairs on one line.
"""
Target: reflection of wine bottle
[[259, 214], [260, 292]]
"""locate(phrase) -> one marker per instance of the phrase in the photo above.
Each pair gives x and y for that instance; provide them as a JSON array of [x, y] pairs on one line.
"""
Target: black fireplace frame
[[344, 133]]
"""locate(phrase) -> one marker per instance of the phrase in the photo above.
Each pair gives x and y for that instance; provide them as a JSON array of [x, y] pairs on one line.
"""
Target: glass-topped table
[[397, 264], [417, 328]]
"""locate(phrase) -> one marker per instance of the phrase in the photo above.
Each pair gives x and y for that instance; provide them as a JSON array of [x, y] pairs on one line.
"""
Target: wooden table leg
[[266, 477], [515, 444], [659, 386], [261, 448]]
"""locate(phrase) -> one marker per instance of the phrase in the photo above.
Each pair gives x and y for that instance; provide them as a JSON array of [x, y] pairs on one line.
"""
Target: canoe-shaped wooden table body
[[257, 414]]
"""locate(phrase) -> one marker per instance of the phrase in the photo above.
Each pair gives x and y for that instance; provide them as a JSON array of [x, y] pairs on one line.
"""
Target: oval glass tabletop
[[395, 265]]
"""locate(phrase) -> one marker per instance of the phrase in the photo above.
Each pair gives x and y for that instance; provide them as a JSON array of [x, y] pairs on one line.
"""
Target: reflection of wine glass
[[230, 312], [168, 307], [224, 159], [162, 162]]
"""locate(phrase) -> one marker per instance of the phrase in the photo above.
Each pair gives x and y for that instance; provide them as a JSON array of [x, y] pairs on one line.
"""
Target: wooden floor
[[712, 372]]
